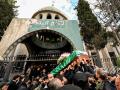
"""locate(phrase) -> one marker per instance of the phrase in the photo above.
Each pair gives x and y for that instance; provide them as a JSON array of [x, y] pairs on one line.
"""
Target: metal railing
[[18, 63]]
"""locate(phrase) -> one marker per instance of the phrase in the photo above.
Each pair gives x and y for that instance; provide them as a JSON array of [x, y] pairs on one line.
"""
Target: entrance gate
[[19, 64]]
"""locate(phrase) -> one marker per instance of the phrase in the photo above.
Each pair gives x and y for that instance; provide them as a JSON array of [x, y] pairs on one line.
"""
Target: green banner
[[67, 61], [48, 24], [68, 29]]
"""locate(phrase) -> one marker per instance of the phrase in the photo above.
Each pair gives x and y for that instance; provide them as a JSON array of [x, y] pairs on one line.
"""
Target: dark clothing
[[12, 86], [88, 68], [84, 68], [92, 86], [81, 79], [112, 83], [70, 87], [69, 75], [105, 85], [108, 86], [80, 76], [22, 88]]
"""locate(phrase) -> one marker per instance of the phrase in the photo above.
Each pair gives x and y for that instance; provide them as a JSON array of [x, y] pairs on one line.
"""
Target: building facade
[[40, 39], [44, 37]]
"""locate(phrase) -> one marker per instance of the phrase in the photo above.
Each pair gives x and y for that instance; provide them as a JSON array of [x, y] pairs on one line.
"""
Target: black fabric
[[92, 86], [84, 68], [12, 86], [69, 75], [108, 86], [81, 79], [88, 68], [80, 76], [22, 88], [70, 87]]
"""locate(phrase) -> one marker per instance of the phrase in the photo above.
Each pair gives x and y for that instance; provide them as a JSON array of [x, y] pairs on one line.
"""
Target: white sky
[[28, 7]]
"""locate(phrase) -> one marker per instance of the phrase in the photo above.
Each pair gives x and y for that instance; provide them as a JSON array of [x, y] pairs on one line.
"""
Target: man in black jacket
[[13, 85]]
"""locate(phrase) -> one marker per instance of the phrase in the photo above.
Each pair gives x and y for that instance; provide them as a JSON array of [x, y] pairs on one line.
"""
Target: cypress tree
[[7, 12], [93, 34]]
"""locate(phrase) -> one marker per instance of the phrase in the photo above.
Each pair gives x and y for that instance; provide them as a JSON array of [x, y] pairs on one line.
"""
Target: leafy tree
[[93, 34], [109, 11], [109, 15], [7, 12]]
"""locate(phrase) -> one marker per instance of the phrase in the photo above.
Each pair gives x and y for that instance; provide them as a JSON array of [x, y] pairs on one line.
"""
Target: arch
[[57, 17], [49, 16], [14, 44]]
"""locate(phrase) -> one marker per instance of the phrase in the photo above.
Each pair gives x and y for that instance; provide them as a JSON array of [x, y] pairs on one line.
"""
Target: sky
[[28, 7]]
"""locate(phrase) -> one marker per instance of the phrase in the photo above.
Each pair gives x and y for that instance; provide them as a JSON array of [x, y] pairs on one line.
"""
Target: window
[[113, 58], [49, 16], [40, 16], [57, 17]]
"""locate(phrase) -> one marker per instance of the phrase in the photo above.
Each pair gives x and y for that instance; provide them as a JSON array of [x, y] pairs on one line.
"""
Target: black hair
[[103, 77], [45, 77]]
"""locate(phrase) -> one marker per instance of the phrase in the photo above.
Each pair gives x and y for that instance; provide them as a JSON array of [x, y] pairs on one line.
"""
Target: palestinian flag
[[67, 60]]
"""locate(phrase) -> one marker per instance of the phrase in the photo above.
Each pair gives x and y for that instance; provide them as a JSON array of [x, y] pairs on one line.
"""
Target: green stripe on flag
[[67, 61]]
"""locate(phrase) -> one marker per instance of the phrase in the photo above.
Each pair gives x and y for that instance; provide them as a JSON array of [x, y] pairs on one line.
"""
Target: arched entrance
[[34, 38], [44, 48]]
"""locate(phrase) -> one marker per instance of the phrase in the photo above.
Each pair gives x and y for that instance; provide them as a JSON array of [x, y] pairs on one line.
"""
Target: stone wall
[[16, 29]]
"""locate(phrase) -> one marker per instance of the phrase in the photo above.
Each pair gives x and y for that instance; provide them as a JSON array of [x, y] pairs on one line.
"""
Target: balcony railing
[[106, 63]]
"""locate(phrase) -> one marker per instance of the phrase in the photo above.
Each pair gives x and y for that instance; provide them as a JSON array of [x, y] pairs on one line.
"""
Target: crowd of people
[[80, 74]]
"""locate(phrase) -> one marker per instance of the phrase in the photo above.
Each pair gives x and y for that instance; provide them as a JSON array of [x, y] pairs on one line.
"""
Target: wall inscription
[[45, 24]]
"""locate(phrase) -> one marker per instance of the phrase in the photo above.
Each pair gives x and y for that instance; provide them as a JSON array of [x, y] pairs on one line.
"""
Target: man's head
[[62, 78], [50, 77], [4, 86], [55, 84]]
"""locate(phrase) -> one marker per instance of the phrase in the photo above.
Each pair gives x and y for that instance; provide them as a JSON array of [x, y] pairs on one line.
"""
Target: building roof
[[50, 8]]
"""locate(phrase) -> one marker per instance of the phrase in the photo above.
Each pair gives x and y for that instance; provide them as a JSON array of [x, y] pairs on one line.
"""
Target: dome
[[51, 9]]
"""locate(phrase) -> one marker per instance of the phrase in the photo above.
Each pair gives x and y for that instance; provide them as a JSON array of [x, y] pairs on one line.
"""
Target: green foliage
[[93, 34], [111, 38], [108, 12], [7, 12], [100, 39]]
